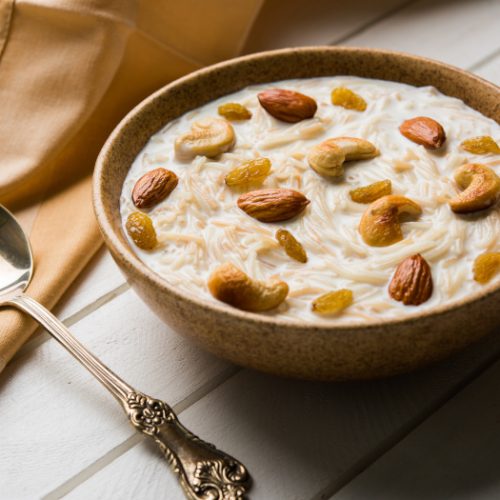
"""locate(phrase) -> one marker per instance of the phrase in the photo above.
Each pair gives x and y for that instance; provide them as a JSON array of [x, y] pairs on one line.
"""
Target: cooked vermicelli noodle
[[200, 226]]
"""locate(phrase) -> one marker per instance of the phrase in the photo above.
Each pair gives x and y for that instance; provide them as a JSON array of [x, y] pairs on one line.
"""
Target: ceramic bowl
[[296, 349]]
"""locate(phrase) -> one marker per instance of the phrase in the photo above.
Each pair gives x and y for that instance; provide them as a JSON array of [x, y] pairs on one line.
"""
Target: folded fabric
[[69, 70]]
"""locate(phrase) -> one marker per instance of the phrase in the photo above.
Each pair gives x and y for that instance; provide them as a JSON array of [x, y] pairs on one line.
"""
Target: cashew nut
[[232, 286], [380, 224], [327, 158], [481, 188], [209, 137]]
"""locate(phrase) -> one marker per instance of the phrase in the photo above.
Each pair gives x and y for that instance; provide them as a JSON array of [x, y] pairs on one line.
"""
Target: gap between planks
[[485, 60], [135, 439], [373, 22]]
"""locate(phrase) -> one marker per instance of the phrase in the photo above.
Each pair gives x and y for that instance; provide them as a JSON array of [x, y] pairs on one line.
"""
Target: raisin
[[333, 302], [372, 192], [292, 247], [342, 96], [234, 111], [486, 266], [480, 145], [250, 171], [140, 228]]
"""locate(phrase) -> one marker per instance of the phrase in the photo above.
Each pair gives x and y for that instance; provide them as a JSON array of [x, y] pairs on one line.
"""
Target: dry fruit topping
[[292, 247], [273, 205], [327, 158], [481, 145], [486, 266], [153, 187], [208, 137], [234, 111], [424, 131], [333, 302], [141, 230], [481, 188], [372, 192], [251, 171], [342, 96], [412, 281], [287, 105], [380, 225], [231, 285]]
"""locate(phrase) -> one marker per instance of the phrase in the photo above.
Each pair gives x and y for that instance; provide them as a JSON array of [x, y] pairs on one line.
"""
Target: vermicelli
[[200, 226]]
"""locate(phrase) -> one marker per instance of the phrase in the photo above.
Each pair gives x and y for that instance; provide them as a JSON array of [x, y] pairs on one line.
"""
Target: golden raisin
[[486, 266], [250, 171], [292, 247], [372, 192], [342, 96], [140, 228], [234, 111], [480, 145], [333, 302]]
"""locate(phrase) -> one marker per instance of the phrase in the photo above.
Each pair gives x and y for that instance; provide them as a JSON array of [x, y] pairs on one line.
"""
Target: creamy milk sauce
[[200, 226]]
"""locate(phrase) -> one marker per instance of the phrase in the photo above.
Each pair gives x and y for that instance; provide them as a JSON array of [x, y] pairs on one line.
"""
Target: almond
[[287, 105], [424, 131], [153, 187], [412, 281], [272, 205]]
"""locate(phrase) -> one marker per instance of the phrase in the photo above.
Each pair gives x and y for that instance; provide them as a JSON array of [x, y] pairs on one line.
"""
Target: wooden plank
[[99, 278], [321, 22], [54, 413], [459, 33], [299, 439], [454, 454], [128, 477], [490, 70]]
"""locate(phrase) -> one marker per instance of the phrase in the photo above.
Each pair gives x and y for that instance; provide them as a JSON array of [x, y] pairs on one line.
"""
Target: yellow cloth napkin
[[69, 70]]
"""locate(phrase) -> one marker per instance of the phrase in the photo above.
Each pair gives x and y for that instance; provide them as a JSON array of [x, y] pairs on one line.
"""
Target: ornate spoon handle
[[204, 471]]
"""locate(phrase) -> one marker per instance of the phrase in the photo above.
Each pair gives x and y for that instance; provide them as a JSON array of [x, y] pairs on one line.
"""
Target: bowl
[[291, 348]]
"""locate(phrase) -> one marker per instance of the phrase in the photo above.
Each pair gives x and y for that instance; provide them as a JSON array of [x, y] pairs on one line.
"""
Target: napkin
[[69, 71]]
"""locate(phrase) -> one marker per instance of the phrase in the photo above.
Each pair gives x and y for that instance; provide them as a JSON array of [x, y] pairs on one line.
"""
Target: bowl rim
[[119, 248]]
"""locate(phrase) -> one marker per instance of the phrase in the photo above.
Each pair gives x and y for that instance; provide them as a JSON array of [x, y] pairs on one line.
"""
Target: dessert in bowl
[[337, 223]]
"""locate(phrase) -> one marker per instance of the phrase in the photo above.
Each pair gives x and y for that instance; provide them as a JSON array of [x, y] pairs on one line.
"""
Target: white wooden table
[[434, 434]]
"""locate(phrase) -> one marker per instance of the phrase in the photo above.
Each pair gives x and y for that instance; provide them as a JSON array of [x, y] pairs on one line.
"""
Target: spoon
[[204, 472]]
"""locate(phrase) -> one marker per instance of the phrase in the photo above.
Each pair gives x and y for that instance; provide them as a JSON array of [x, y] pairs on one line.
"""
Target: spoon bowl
[[16, 258]]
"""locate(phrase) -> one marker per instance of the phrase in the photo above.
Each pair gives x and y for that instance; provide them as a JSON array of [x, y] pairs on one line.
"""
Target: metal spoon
[[204, 472]]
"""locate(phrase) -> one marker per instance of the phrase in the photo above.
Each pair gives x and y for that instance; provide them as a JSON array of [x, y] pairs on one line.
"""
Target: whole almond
[[424, 131], [287, 105], [412, 281], [272, 205], [153, 187]]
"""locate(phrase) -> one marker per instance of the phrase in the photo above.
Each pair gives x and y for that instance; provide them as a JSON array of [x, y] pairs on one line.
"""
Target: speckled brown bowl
[[285, 347]]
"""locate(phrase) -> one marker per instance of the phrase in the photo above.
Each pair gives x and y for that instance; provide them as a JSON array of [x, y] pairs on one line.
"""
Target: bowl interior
[[205, 85]]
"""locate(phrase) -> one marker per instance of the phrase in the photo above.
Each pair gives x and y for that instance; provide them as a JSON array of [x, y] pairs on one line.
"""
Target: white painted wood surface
[[453, 454], [62, 435]]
